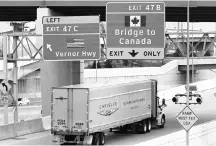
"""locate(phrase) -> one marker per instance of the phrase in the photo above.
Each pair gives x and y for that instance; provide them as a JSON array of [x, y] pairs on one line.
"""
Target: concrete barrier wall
[[201, 135], [197, 61], [139, 73], [24, 128], [123, 72], [7, 131]]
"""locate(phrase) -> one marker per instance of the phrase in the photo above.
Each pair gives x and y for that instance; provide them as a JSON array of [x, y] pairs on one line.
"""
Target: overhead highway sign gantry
[[135, 30], [71, 38]]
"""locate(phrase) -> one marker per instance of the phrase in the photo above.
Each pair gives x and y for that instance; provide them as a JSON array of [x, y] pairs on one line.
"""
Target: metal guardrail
[[199, 53]]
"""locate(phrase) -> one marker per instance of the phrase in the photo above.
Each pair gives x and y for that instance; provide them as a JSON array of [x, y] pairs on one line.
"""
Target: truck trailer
[[82, 113]]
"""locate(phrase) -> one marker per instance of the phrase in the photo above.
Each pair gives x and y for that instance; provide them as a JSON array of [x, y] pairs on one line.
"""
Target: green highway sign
[[71, 38], [135, 30]]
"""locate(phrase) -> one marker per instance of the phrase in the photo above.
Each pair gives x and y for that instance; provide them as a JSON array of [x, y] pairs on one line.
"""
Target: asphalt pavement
[[205, 112]]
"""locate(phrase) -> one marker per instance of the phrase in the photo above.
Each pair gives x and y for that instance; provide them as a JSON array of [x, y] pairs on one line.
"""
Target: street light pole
[[5, 77], [187, 132], [96, 70], [193, 72]]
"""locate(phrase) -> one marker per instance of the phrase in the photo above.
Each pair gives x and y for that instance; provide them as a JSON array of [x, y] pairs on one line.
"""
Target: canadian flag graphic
[[135, 21]]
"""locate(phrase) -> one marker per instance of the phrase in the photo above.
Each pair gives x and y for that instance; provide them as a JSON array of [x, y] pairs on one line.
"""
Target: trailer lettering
[[61, 122], [108, 108], [133, 101], [134, 107], [108, 105]]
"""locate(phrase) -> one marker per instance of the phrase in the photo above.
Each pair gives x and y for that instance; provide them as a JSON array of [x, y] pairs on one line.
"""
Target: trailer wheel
[[96, 139], [102, 138], [149, 126], [144, 127]]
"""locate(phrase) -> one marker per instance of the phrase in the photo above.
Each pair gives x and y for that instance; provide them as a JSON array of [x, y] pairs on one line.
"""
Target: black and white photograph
[[108, 72]]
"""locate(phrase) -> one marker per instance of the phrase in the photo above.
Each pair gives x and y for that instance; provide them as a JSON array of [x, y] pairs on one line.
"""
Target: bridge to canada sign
[[135, 30]]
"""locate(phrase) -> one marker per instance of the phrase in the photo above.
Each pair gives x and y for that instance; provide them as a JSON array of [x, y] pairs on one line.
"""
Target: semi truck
[[83, 113]]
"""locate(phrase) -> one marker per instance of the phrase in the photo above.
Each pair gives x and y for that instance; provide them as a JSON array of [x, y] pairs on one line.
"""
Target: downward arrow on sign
[[133, 53]]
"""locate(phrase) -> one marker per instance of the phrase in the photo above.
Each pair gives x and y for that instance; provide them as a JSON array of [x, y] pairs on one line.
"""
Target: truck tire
[[102, 138], [149, 125], [144, 127], [96, 139]]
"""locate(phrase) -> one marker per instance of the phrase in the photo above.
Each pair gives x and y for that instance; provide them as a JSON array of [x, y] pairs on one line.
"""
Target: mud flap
[[88, 140], [58, 138]]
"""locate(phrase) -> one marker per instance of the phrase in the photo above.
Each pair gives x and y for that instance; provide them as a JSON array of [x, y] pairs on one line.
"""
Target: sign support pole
[[187, 132], [5, 76], [96, 69], [15, 38]]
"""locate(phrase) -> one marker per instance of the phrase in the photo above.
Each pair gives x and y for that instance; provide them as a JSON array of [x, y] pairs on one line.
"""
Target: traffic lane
[[205, 112], [35, 101]]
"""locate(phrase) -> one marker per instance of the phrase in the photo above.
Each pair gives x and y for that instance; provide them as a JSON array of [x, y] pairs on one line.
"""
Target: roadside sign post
[[135, 30], [187, 132], [69, 38], [6, 78], [15, 85]]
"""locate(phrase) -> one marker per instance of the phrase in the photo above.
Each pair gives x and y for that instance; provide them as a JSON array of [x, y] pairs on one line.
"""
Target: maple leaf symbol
[[135, 20]]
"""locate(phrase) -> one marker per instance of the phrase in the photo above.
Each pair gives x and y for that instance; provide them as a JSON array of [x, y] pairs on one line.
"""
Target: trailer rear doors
[[60, 112], [69, 110]]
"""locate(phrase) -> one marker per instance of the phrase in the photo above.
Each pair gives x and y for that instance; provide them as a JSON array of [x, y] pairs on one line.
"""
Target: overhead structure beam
[[175, 11], [173, 44]]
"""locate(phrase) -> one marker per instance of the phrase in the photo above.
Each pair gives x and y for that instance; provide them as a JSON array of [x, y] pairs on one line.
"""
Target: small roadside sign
[[5, 87], [187, 118]]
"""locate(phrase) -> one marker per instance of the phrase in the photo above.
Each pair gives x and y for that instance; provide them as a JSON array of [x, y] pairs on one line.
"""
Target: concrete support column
[[55, 73], [15, 78]]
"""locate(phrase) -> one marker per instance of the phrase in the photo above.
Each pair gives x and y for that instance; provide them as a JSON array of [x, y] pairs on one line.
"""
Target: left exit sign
[[71, 38]]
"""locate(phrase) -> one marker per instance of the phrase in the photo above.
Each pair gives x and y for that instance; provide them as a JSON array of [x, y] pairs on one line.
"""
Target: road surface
[[205, 112]]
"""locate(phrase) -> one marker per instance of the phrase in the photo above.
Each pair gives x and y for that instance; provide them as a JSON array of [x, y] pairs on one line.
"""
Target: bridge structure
[[72, 72]]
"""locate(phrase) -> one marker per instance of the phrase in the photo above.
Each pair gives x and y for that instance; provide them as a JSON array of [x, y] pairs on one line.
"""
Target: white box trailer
[[81, 113]]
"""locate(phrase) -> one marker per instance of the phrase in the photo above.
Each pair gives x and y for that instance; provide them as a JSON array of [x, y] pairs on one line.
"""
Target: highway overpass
[[22, 10]]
